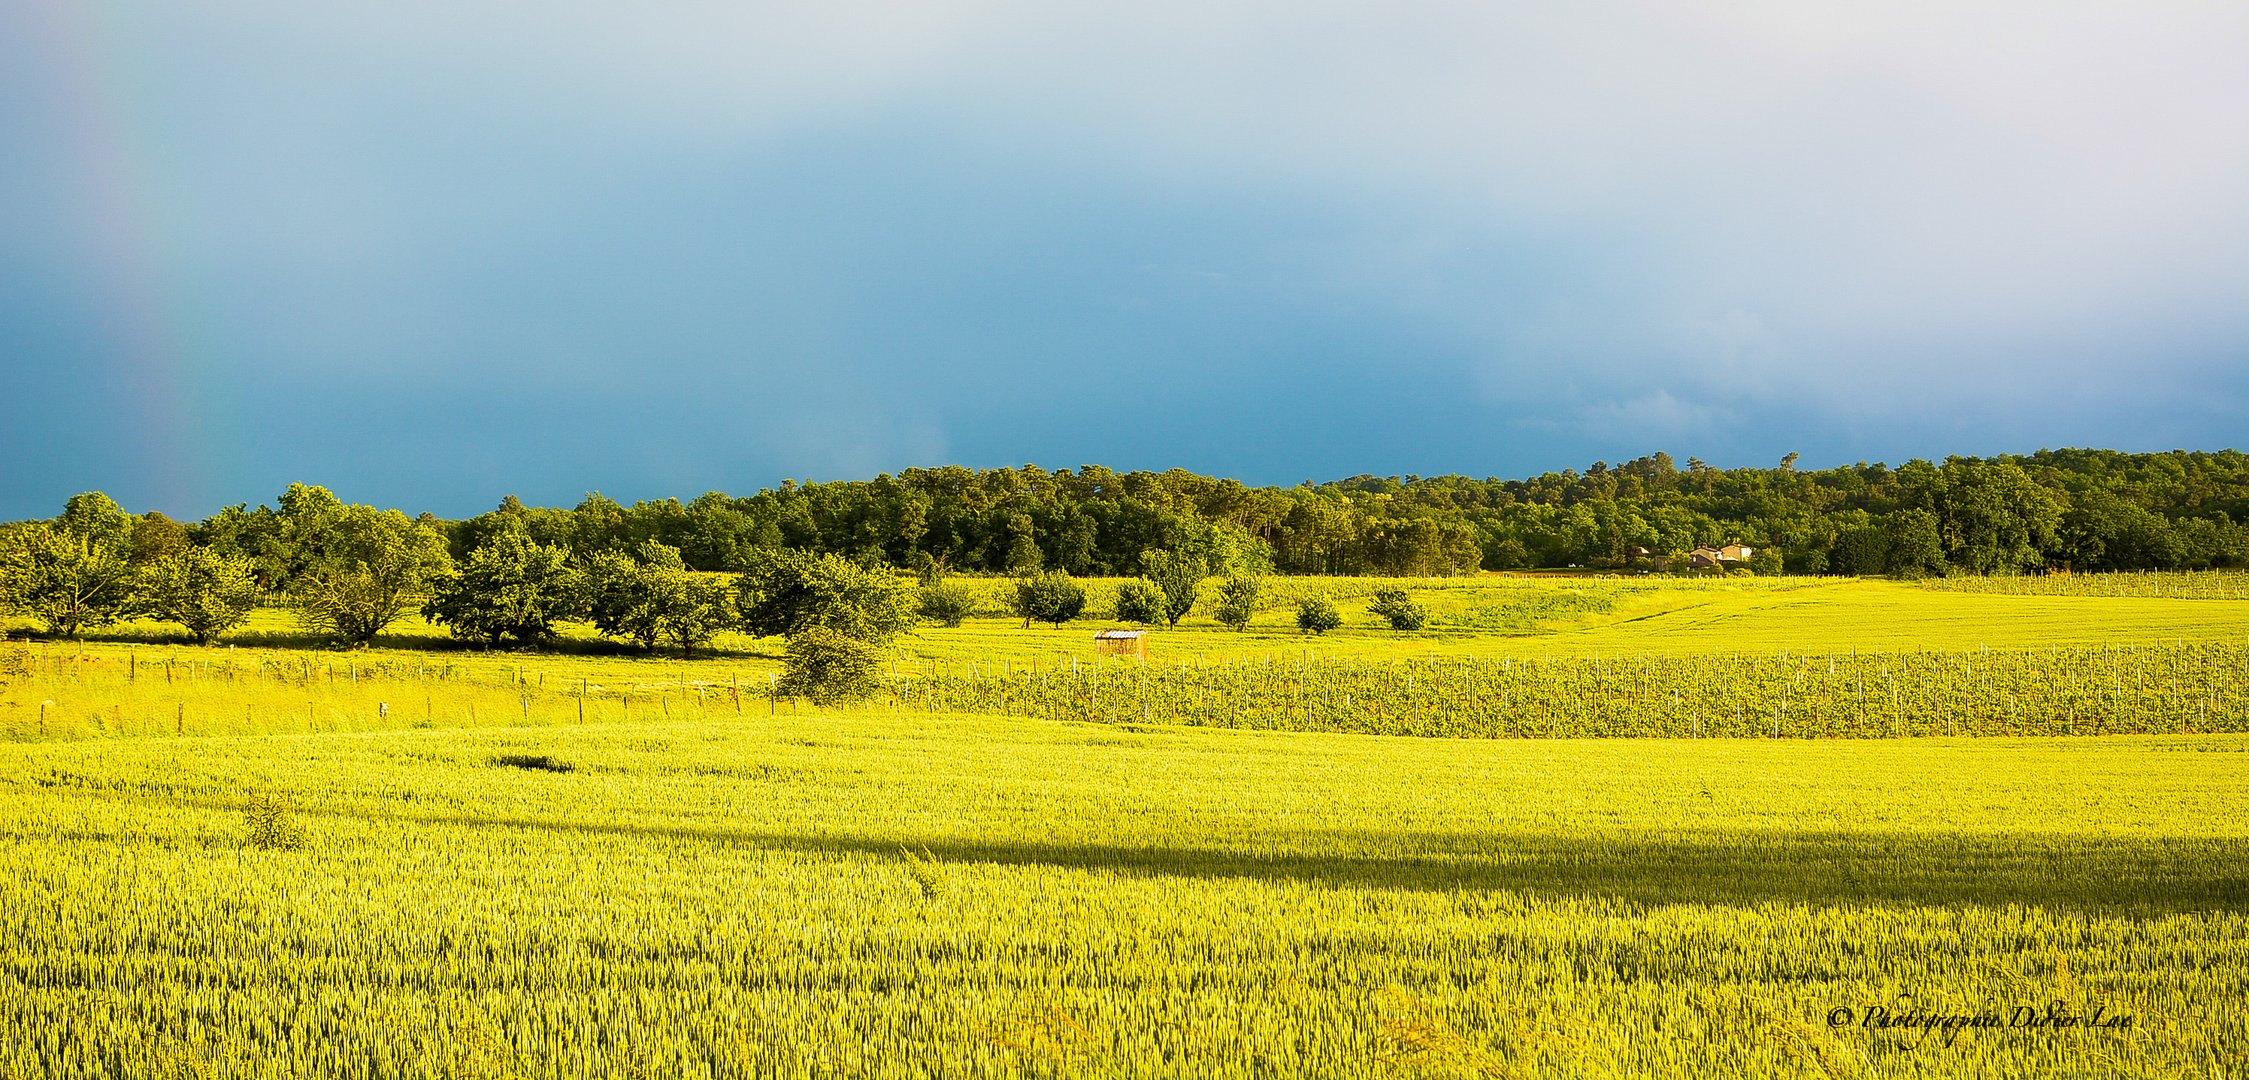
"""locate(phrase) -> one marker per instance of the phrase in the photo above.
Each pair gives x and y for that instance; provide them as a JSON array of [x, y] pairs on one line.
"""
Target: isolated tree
[[1399, 611], [1316, 615], [1141, 601], [940, 603], [66, 579], [1049, 598], [508, 587], [946, 604], [1237, 600], [1179, 576], [202, 590]]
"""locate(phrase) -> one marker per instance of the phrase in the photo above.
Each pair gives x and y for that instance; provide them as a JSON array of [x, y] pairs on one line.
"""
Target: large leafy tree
[[355, 569], [837, 615], [650, 597], [785, 592], [205, 591], [66, 579], [75, 571], [1991, 516], [508, 587]]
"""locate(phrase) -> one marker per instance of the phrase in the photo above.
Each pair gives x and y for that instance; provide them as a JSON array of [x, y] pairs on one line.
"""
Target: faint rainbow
[[142, 294]]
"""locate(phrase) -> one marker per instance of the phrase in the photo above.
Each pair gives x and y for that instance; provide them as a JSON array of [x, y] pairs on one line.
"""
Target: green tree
[[1049, 598], [1141, 601], [358, 569], [1401, 612], [785, 592], [697, 607], [1991, 516], [1912, 545], [650, 597], [1179, 576], [1237, 600], [838, 616], [98, 519], [1317, 615], [623, 598], [508, 587], [1023, 554], [946, 604], [68, 580], [200, 589], [1860, 551]]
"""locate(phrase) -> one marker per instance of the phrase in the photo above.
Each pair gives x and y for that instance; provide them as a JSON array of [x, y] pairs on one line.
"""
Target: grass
[[904, 895]]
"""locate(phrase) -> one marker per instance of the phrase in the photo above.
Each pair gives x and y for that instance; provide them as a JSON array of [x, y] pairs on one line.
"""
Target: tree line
[[640, 573], [2079, 509]]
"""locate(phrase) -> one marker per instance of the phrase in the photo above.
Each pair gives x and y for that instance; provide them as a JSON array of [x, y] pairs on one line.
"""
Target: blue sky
[[431, 253]]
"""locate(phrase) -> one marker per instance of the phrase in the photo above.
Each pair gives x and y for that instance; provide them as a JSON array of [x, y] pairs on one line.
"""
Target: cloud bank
[[431, 253]]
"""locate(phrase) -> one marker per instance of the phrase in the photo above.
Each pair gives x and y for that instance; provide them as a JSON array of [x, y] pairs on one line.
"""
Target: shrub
[[828, 667], [1237, 601], [1142, 601], [928, 873], [947, 605], [1317, 615], [1403, 614], [272, 823], [1049, 598]]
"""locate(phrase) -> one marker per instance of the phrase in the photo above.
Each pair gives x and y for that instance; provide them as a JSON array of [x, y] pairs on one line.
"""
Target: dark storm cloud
[[434, 253]]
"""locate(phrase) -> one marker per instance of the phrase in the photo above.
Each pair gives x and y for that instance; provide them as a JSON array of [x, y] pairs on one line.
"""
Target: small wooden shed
[[1121, 643]]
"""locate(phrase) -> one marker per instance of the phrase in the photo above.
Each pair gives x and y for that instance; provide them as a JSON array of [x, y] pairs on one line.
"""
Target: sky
[[429, 253]]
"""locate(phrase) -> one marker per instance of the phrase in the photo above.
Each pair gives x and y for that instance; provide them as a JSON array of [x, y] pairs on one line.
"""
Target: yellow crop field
[[891, 894], [1996, 835]]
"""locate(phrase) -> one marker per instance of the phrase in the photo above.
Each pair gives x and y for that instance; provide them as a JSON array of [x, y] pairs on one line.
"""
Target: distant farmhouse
[[1707, 558]]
